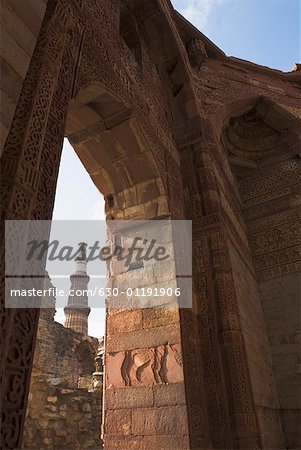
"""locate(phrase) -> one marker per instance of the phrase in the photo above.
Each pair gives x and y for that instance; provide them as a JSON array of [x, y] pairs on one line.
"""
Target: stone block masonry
[[64, 407], [61, 417]]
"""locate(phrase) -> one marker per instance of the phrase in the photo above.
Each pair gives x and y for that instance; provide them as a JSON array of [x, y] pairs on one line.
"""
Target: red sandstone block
[[125, 321], [155, 317], [144, 367], [148, 191], [167, 442], [169, 394], [144, 422], [144, 338], [129, 397], [156, 421], [118, 422]]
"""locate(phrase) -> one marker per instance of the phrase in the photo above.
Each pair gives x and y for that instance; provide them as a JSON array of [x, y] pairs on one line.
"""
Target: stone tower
[[77, 310]]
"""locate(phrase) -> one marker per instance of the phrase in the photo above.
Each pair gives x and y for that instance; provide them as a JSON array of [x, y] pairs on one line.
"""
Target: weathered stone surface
[[130, 397], [149, 366], [118, 422], [160, 421], [61, 433], [143, 338], [62, 415], [171, 394], [86, 407], [63, 425]]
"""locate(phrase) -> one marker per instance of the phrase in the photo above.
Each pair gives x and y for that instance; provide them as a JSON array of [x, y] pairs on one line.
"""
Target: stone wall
[[19, 28], [258, 352], [281, 304], [61, 417], [271, 201], [64, 406], [62, 356]]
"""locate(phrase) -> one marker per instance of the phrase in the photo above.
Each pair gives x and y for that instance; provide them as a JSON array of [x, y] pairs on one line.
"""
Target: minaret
[[77, 309]]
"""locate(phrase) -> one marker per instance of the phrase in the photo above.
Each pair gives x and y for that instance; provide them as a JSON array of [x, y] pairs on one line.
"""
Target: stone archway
[[66, 61], [116, 153], [261, 143], [106, 136], [140, 90], [226, 286]]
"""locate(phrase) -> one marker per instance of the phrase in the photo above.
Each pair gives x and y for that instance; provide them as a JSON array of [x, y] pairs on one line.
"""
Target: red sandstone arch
[[259, 146], [107, 137], [71, 70], [81, 61]]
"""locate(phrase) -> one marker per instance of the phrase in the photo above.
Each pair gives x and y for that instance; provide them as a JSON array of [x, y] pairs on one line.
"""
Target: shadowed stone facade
[[167, 126]]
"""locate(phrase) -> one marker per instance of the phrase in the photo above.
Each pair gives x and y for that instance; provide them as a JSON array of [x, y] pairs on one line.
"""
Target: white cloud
[[197, 11]]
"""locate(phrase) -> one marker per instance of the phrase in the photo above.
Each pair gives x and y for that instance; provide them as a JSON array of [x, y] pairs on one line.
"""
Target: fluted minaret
[[77, 310]]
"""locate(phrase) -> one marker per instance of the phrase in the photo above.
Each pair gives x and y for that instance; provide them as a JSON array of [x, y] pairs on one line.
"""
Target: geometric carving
[[28, 169], [249, 138], [276, 238], [261, 151]]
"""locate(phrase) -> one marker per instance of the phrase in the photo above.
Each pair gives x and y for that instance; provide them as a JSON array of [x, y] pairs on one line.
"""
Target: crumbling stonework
[[65, 403], [61, 417], [62, 356]]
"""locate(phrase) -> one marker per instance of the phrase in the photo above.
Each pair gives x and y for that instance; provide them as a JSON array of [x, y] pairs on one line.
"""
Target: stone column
[[220, 315], [213, 415], [145, 394], [240, 399], [29, 167]]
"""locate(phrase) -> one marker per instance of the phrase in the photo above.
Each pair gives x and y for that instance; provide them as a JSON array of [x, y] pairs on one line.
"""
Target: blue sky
[[266, 32], [263, 31]]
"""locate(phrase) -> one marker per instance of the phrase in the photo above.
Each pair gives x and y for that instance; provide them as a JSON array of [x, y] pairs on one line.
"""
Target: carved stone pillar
[[213, 417], [240, 399], [230, 408], [29, 167], [209, 192]]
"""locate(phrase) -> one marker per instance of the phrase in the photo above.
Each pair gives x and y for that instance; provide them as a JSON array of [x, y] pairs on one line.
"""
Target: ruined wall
[[61, 417], [20, 23], [61, 354], [64, 406]]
